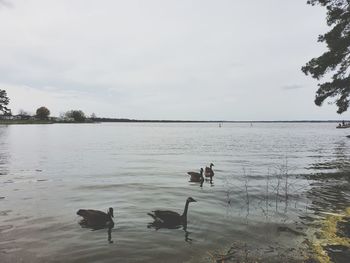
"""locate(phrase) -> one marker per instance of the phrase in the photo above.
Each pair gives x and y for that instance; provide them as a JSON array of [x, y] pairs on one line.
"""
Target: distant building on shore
[[16, 117], [6, 117]]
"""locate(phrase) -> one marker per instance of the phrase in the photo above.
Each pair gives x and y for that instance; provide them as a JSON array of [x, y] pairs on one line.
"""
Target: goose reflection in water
[[171, 220], [97, 220], [158, 225]]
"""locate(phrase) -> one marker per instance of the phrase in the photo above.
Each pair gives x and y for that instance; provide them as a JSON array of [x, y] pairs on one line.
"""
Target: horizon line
[[105, 119]]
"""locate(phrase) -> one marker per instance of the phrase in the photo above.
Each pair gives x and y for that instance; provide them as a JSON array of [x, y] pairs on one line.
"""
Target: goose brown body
[[168, 218], [95, 218], [196, 177], [209, 171]]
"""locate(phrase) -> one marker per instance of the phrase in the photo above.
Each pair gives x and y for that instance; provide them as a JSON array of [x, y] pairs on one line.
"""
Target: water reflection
[[330, 190], [211, 183], [109, 230], [109, 234], [4, 154], [158, 225], [329, 196], [339, 162]]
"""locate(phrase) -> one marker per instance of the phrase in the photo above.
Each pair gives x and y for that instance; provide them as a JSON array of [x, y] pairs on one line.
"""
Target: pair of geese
[[162, 218], [198, 177]]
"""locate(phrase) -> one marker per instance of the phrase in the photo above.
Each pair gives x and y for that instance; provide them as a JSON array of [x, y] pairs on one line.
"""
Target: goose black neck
[[110, 213], [184, 215]]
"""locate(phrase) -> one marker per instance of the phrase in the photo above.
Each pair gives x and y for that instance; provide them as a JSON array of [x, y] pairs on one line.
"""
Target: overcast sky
[[163, 59]]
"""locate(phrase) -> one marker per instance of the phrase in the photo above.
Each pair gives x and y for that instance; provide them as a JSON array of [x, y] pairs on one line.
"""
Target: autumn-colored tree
[[42, 113]]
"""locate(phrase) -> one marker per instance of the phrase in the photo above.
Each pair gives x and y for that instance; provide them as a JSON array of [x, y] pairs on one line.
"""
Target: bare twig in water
[[279, 187]]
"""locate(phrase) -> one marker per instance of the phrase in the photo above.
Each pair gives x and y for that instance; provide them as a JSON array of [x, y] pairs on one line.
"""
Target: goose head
[[110, 212], [211, 165], [190, 199]]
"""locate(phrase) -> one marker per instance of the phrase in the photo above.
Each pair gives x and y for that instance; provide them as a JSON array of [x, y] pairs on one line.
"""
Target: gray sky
[[163, 59]]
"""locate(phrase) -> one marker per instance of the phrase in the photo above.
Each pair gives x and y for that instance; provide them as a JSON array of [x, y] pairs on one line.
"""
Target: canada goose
[[196, 177], [209, 171], [96, 219], [170, 219]]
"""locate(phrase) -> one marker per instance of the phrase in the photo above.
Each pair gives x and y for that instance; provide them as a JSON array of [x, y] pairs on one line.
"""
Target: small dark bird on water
[[96, 219], [209, 171], [196, 177], [170, 219]]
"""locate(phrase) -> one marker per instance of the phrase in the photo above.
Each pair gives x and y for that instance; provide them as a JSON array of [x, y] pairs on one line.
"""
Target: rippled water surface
[[264, 180]]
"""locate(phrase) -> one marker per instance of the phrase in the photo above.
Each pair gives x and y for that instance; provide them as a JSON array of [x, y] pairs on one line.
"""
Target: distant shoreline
[[33, 122], [112, 120]]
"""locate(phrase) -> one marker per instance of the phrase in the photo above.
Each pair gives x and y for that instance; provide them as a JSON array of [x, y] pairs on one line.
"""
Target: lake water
[[261, 186]]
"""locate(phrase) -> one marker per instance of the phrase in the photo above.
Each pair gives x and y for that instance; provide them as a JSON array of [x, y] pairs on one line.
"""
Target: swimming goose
[[96, 219], [196, 177], [169, 219], [209, 171]]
